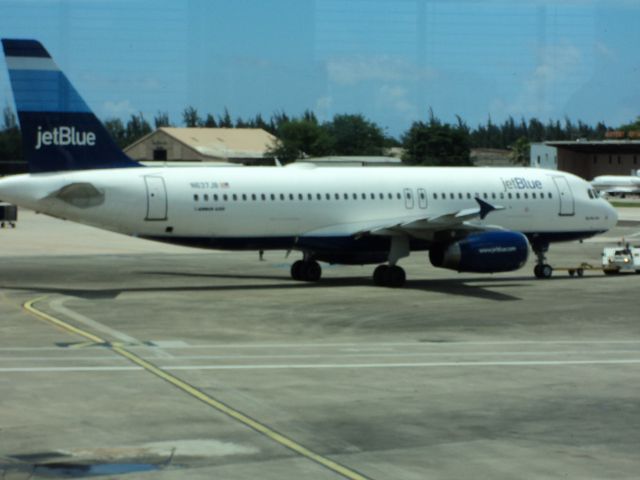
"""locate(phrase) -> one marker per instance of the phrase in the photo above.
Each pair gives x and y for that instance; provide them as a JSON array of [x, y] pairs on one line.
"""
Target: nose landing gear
[[542, 269]]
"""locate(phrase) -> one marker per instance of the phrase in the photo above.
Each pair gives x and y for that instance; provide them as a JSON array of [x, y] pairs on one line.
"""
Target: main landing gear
[[542, 269], [306, 270], [392, 275], [389, 276]]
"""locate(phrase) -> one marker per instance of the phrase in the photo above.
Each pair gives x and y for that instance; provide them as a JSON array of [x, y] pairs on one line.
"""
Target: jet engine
[[486, 252]]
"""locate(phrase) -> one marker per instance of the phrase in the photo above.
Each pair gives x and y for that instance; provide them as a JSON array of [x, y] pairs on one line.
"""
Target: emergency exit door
[[156, 198]]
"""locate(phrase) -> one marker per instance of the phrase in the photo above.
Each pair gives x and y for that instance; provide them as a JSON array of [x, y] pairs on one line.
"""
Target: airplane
[[620, 185], [478, 220]]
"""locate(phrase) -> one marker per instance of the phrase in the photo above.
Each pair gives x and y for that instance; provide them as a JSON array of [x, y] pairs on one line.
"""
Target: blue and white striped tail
[[59, 131]]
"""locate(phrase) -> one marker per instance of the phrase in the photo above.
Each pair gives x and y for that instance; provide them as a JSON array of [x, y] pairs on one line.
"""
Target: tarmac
[[129, 359]]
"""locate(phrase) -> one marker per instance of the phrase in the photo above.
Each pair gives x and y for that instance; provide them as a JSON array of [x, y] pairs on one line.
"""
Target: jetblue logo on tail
[[63, 137]]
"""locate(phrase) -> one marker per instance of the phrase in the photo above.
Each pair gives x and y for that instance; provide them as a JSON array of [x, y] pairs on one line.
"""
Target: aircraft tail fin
[[59, 131]]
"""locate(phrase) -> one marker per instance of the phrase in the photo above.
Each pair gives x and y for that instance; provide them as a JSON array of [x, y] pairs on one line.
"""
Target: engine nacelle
[[485, 252]]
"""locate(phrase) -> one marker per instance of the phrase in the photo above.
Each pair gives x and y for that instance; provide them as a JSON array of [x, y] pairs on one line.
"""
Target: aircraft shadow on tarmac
[[475, 287]]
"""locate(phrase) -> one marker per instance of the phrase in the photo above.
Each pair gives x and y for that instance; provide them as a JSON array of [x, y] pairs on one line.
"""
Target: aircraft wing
[[418, 227]]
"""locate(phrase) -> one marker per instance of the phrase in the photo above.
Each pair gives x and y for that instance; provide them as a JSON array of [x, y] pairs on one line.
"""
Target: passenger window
[[282, 196], [206, 197], [533, 195], [319, 196], [244, 197], [501, 195], [225, 197], [509, 195], [469, 196], [518, 196], [399, 196], [421, 195], [309, 196], [390, 196], [195, 197], [381, 195], [435, 196], [452, 196], [485, 196], [253, 197], [328, 196], [459, 196], [235, 197], [300, 197], [215, 197], [273, 196], [364, 196], [493, 195], [550, 196], [291, 196], [355, 196], [373, 196]]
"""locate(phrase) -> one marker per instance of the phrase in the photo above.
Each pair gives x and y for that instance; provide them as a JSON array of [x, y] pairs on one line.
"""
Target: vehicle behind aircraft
[[469, 219]]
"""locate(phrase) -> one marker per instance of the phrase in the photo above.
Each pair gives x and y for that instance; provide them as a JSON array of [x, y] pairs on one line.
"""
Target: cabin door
[[567, 206], [156, 198]]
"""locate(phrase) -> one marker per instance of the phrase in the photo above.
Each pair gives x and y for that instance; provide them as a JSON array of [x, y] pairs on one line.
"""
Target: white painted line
[[534, 363], [68, 369], [58, 305], [426, 344], [405, 355]]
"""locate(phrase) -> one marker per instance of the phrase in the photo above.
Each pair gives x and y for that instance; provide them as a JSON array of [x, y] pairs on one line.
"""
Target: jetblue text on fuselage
[[64, 136], [520, 183]]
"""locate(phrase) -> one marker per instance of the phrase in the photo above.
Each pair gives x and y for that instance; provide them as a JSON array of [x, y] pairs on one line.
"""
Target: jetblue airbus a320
[[468, 219]]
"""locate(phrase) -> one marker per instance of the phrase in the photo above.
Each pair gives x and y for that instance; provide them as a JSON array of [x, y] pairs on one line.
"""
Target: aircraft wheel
[[580, 272], [380, 275], [546, 271], [297, 270], [397, 276], [572, 273], [537, 271], [543, 271], [313, 271]]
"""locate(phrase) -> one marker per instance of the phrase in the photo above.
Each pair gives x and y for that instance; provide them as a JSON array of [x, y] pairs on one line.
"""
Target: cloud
[[396, 98], [117, 109], [386, 68], [558, 65], [604, 51], [324, 107]]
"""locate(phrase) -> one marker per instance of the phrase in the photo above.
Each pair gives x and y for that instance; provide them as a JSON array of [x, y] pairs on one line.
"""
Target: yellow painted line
[[28, 306], [200, 395]]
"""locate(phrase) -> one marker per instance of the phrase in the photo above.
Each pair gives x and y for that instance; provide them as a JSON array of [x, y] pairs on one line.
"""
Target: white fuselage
[[174, 204]]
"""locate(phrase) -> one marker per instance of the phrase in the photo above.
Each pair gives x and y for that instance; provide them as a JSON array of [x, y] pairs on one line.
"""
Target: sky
[[390, 60]]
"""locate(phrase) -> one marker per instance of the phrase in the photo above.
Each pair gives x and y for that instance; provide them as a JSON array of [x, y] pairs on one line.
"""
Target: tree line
[[426, 142]]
